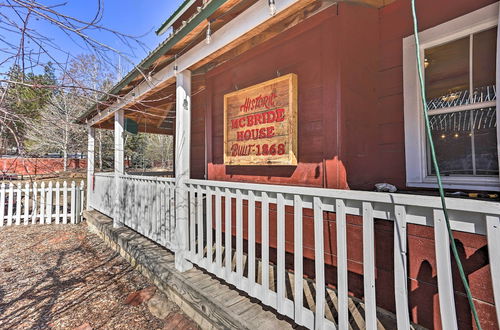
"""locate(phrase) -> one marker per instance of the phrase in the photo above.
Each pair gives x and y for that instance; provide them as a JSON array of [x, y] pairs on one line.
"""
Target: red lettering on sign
[[241, 150], [259, 102], [234, 123], [250, 121], [256, 133], [262, 133], [270, 131], [267, 117], [258, 119], [280, 115]]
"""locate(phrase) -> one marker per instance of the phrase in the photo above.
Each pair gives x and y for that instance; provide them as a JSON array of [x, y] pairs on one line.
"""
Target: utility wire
[[436, 168]]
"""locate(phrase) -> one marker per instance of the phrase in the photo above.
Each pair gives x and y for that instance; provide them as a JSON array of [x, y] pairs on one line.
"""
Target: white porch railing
[[102, 197], [148, 207], [222, 204], [45, 203]]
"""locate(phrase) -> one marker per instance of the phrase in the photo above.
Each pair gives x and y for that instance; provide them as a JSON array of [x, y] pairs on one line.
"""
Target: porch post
[[182, 167], [119, 165], [90, 164]]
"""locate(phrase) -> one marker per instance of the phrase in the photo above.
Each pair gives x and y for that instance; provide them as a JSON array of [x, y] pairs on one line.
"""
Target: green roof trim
[[175, 16], [163, 48]]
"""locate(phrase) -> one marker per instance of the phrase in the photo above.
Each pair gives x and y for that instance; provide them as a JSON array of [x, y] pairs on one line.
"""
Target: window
[[459, 62]]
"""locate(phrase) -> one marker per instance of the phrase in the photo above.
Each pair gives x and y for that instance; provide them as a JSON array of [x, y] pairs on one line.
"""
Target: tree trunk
[[65, 156]]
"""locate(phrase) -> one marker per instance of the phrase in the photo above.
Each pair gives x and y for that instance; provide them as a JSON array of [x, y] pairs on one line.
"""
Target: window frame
[[415, 138]]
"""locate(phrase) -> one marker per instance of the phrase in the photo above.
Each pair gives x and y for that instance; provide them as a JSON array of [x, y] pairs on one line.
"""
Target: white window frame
[[415, 137]]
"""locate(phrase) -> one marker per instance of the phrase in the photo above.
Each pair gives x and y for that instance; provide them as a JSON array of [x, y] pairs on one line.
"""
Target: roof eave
[[175, 16], [164, 47]]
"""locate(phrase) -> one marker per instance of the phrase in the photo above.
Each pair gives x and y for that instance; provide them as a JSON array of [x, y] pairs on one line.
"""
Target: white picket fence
[[33, 203]]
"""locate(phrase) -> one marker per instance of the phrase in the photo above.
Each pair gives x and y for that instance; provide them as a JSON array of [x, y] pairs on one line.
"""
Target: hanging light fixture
[[272, 7], [208, 39], [176, 68]]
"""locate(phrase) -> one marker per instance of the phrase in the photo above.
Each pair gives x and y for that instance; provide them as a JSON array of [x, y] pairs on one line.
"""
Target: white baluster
[[251, 242], [209, 229], [340, 219], [298, 255], [280, 290], [228, 249], [239, 240], [265, 248], [319, 263], [218, 232], [444, 275], [400, 268], [369, 267]]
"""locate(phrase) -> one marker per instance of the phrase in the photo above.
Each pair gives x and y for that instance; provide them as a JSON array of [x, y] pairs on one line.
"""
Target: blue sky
[[134, 17]]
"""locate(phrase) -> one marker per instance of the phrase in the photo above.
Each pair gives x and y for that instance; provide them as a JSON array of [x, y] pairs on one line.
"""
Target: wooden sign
[[260, 124]]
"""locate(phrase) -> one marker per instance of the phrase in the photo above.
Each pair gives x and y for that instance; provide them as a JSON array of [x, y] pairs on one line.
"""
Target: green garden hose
[[436, 167]]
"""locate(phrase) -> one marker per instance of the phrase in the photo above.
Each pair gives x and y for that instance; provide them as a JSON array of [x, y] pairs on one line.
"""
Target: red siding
[[295, 51], [198, 136], [351, 135]]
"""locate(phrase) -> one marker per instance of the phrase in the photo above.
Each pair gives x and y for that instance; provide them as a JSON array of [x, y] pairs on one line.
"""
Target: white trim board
[[415, 144]]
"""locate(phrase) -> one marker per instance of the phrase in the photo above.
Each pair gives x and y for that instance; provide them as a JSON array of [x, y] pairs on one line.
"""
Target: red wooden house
[[352, 118]]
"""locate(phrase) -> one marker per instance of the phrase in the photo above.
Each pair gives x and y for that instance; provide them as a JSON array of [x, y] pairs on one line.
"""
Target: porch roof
[[147, 93], [190, 33]]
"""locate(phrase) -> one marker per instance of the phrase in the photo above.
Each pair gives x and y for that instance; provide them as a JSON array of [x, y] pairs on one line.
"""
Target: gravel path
[[64, 277]]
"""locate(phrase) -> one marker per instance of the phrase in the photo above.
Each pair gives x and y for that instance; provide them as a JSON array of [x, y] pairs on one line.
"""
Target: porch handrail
[[105, 174], [474, 209], [147, 178]]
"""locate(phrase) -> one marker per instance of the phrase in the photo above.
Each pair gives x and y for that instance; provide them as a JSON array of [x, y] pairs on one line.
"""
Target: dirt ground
[[64, 277]]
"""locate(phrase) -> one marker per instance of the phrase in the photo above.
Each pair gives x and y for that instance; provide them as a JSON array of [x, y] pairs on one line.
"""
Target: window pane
[[453, 143], [485, 141], [484, 65], [447, 74]]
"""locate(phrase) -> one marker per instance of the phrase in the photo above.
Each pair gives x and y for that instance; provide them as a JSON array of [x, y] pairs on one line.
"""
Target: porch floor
[[211, 303]]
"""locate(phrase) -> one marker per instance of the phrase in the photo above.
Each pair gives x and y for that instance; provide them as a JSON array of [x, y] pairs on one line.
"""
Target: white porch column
[[119, 165], [90, 164], [182, 167]]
